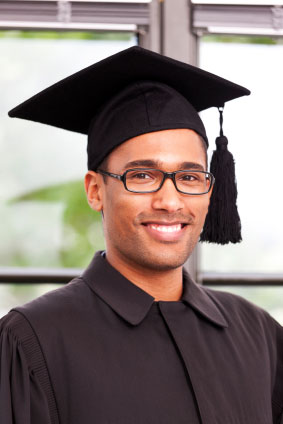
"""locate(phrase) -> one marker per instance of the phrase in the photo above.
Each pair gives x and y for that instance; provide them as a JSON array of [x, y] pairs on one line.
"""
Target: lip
[[165, 231]]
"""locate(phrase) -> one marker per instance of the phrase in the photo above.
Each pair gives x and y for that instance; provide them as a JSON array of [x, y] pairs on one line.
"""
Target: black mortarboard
[[137, 91]]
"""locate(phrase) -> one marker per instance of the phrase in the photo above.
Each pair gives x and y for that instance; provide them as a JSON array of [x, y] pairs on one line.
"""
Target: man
[[134, 339]]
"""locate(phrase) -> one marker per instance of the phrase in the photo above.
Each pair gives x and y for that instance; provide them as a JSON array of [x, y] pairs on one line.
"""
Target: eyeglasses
[[147, 180]]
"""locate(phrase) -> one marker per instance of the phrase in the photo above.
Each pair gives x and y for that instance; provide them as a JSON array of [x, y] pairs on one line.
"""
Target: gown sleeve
[[277, 398], [22, 398]]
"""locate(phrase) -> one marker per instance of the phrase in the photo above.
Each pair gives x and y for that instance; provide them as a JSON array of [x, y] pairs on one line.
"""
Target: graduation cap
[[137, 91]]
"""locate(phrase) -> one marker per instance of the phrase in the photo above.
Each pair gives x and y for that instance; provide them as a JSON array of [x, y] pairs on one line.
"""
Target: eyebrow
[[149, 163]]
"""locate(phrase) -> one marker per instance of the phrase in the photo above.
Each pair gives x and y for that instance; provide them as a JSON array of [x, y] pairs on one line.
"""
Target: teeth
[[166, 228]]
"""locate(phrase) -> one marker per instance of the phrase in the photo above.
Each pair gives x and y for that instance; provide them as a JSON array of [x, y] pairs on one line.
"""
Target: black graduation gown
[[101, 350]]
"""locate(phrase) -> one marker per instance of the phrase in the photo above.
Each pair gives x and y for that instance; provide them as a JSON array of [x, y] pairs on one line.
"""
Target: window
[[48, 222], [253, 127], [33, 196]]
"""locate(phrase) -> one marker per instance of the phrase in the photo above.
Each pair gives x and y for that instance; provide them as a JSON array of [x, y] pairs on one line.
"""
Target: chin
[[159, 260]]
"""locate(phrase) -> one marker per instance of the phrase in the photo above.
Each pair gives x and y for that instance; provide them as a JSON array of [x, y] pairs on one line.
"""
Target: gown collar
[[133, 304]]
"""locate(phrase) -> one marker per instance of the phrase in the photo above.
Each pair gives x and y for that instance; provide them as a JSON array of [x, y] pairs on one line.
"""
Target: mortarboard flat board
[[73, 102]]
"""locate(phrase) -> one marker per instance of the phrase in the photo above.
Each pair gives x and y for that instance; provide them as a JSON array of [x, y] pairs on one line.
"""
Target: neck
[[162, 285]]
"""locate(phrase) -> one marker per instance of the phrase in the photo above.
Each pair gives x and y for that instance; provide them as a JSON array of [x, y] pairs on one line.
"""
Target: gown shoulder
[[25, 392]]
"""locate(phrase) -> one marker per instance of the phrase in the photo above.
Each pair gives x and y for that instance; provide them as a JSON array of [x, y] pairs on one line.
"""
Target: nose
[[168, 198]]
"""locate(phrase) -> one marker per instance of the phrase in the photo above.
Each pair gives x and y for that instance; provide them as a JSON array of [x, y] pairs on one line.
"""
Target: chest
[[173, 367]]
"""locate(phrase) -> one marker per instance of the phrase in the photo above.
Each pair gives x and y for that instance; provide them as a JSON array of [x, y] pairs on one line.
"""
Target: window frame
[[154, 23]]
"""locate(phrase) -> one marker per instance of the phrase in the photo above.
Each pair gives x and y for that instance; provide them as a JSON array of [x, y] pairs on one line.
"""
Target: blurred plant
[[241, 39], [66, 35], [82, 227]]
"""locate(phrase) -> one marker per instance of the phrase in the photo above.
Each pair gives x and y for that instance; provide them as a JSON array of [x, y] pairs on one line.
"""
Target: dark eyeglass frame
[[170, 175]]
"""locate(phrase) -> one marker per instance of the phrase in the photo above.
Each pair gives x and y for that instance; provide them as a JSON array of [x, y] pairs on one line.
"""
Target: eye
[[191, 178], [141, 175], [188, 177]]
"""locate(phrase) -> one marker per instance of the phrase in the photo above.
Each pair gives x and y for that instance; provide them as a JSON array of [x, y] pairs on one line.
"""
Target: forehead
[[167, 147]]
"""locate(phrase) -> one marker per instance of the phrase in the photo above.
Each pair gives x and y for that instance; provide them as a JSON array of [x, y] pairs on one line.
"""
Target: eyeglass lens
[[190, 182]]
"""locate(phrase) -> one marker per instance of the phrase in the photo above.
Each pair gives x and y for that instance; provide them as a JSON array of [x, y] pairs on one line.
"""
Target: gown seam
[[36, 361]]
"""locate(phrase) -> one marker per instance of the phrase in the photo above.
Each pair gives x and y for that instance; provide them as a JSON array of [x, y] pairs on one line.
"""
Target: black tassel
[[222, 224]]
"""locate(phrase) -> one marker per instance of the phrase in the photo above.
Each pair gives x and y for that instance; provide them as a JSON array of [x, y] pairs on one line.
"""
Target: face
[[158, 230]]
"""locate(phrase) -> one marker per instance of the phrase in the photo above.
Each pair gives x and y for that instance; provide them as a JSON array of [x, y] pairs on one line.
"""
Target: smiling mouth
[[166, 232], [166, 228]]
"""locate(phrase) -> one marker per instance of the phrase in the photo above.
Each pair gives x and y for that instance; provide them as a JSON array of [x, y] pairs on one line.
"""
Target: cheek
[[199, 207], [121, 209]]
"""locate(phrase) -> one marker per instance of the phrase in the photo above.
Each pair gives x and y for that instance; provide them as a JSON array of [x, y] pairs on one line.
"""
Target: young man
[[134, 339]]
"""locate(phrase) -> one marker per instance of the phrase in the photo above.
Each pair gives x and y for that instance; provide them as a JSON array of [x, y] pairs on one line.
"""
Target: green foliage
[[82, 227], [66, 35], [240, 39]]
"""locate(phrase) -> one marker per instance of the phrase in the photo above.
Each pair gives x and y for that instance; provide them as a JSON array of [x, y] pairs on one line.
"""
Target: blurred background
[[48, 233]]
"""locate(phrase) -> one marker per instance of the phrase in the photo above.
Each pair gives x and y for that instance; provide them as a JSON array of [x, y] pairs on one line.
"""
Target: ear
[[93, 188]]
